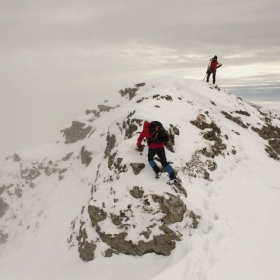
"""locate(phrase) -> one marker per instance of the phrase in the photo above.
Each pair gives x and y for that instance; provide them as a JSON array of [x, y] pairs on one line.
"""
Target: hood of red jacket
[[146, 124]]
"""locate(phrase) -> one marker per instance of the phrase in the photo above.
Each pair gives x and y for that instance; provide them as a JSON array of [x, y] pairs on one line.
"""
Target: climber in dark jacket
[[155, 148], [212, 67]]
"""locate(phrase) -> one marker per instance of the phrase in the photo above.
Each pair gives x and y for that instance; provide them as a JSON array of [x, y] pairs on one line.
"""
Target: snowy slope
[[87, 206]]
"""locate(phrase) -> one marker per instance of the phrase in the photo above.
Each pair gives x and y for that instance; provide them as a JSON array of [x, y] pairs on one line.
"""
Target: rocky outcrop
[[76, 132], [130, 92], [234, 119], [86, 156], [137, 167]]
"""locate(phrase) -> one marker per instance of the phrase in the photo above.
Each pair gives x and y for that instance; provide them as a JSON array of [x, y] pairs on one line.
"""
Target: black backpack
[[158, 133]]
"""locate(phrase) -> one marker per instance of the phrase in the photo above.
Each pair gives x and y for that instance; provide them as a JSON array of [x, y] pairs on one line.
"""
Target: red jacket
[[146, 134], [213, 65]]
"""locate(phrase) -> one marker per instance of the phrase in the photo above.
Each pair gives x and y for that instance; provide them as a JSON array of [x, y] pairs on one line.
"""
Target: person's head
[[215, 58]]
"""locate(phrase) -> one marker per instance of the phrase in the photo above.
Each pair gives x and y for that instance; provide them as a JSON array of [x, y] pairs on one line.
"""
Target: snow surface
[[239, 230]]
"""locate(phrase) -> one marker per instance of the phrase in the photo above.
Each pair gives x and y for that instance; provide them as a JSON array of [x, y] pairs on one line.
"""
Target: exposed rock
[[67, 157], [3, 207], [94, 112], [173, 208], [137, 167], [243, 113], [268, 131], [111, 141], [212, 165], [136, 192], [3, 237], [16, 158], [212, 102], [175, 129], [131, 126], [275, 145], [86, 156], [30, 174], [87, 251], [140, 85], [131, 92], [234, 119], [104, 108], [194, 218], [109, 253], [76, 132], [161, 244], [96, 215]]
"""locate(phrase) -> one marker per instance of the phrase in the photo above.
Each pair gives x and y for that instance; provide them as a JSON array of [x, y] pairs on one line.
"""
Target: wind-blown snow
[[48, 188]]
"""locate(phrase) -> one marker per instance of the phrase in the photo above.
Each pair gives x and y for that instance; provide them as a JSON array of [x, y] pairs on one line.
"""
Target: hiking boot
[[173, 182], [158, 175]]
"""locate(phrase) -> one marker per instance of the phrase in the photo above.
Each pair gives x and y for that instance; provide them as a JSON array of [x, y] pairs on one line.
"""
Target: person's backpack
[[158, 133]]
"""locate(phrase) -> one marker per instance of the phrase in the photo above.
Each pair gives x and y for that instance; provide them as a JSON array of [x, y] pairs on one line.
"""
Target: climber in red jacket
[[212, 67], [156, 147]]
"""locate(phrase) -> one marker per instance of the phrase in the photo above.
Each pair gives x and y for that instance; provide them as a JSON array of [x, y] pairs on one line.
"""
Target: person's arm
[[219, 65], [140, 138]]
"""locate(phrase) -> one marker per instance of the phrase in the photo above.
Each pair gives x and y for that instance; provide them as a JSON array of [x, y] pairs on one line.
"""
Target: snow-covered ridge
[[91, 195]]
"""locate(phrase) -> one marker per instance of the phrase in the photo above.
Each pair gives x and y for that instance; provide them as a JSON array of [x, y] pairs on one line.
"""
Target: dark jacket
[[146, 134]]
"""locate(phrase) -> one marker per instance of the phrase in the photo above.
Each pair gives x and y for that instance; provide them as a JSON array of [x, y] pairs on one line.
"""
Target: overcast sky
[[58, 57]]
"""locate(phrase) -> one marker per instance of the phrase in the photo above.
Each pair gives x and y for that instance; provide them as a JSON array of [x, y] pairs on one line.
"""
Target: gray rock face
[[16, 158], [76, 132], [131, 92], [137, 167], [111, 141], [3, 207], [136, 192], [173, 208], [96, 215], [3, 237], [272, 134], [234, 119], [86, 156]]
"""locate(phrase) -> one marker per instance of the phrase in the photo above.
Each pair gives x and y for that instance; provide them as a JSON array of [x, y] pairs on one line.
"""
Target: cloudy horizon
[[60, 57]]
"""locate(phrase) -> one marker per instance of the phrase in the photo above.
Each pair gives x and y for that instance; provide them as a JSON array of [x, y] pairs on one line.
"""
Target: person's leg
[[214, 77], [208, 76], [151, 154], [168, 168]]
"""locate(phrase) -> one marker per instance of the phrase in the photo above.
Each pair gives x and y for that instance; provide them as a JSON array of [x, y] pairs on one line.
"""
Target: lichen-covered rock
[[96, 214], [137, 167], [86, 156], [3, 207], [173, 208], [76, 132], [136, 192]]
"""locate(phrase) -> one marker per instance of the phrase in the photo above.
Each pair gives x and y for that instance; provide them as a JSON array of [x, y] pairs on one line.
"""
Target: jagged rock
[[94, 112], [268, 131], [3, 237], [243, 113], [67, 157], [16, 158], [3, 207], [212, 165], [275, 145], [194, 218], [104, 108], [173, 208], [86, 156], [175, 130], [131, 92], [76, 132], [111, 141], [109, 253], [161, 244], [140, 85], [234, 119], [137, 167], [96, 215], [136, 192], [30, 174]]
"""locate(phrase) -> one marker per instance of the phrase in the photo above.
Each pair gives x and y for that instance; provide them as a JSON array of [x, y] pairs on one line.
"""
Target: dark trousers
[[208, 76], [160, 152]]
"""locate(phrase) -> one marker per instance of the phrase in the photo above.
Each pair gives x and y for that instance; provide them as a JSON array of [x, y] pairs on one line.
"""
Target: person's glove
[[140, 148]]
